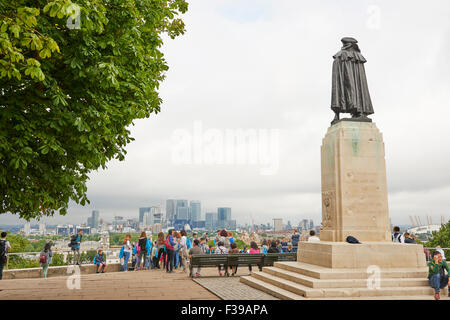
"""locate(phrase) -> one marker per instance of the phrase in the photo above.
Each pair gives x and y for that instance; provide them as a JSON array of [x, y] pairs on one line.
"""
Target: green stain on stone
[[356, 140]]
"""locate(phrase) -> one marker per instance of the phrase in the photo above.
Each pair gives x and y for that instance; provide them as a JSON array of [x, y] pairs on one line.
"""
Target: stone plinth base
[[356, 256], [354, 192]]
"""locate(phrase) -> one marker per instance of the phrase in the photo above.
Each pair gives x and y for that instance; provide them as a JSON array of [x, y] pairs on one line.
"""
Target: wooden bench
[[271, 258], [239, 259]]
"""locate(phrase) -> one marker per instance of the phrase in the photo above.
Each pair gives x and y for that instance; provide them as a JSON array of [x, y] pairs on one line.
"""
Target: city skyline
[[290, 95]]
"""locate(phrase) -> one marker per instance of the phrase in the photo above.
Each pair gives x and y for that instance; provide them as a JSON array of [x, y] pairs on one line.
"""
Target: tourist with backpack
[[45, 258], [76, 245], [161, 247], [4, 247], [142, 250], [397, 237], [170, 246], [295, 238], [125, 252]]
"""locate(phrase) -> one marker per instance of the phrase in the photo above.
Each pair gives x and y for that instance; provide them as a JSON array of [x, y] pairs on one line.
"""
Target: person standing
[[45, 258], [76, 248], [142, 251], [184, 250], [170, 247], [125, 252], [154, 255], [4, 247], [295, 239], [436, 275], [284, 245], [161, 249]]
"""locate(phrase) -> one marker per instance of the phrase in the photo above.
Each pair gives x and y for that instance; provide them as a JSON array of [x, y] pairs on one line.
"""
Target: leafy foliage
[[67, 96], [441, 238]]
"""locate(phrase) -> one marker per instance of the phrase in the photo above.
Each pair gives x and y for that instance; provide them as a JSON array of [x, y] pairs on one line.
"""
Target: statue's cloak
[[350, 93]]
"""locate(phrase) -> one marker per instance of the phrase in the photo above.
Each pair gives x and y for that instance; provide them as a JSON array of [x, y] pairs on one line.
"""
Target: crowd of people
[[174, 250]]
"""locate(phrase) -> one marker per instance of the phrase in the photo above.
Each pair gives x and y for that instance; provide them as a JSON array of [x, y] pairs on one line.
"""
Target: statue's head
[[350, 43]]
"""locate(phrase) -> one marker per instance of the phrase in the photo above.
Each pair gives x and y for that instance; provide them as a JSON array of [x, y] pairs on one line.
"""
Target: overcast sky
[[265, 65]]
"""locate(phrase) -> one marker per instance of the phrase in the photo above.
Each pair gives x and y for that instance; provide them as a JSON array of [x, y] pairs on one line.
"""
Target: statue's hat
[[349, 40]]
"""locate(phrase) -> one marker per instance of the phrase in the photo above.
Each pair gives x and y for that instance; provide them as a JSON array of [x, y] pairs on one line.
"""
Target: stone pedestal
[[354, 193], [343, 255]]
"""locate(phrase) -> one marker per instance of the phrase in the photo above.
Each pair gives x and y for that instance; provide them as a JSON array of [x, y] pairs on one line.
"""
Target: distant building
[[278, 224], [223, 214], [183, 213], [27, 228], [152, 216], [93, 221], [142, 212], [306, 225], [171, 210], [86, 230], [65, 230], [195, 210], [210, 220]]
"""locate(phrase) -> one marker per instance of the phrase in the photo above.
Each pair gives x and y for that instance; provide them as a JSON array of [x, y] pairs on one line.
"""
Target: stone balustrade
[[54, 271]]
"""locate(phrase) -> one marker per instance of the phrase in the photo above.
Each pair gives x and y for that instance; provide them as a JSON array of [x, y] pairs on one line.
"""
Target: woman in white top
[[127, 249], [183, 250]]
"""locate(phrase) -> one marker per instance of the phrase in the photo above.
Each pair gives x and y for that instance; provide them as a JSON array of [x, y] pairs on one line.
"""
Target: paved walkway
[[232, 289], [134, 285]]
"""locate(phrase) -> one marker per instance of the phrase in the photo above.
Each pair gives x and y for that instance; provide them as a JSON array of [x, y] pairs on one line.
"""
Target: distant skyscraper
[[171, 209], [305, 225], [311, 224], [152, 216], [95, 219], [210, 220], [195, 207], [183, 213], [278, 224], [27, 228], [223, 214], [181, 204], [142, 212]]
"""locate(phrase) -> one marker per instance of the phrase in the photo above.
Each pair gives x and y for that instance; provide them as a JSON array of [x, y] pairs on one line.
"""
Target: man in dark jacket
[[294, 239]]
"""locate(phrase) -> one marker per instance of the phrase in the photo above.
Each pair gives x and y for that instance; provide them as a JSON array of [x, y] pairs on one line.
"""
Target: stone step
[[342, 283], [270, 289], [320, 272], [309, 292]]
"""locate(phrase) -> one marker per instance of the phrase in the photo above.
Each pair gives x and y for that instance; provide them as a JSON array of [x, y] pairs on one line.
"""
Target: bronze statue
[[350, 93]]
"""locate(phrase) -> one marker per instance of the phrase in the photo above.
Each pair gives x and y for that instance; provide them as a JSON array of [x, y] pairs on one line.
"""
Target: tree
[[69, 94], [441, 238]]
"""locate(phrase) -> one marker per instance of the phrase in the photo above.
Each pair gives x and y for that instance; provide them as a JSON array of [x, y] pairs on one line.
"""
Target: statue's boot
[[336, 118]]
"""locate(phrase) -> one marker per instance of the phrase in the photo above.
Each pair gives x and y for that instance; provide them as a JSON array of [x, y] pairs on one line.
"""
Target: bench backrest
[[267, 259]]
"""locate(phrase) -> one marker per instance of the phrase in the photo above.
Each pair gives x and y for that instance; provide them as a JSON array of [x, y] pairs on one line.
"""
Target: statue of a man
[[350, 93]]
